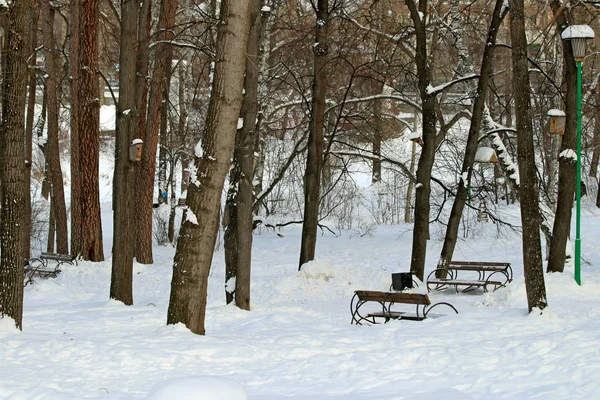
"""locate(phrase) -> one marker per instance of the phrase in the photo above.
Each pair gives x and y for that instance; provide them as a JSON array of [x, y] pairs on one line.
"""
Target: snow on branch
[[440, 88], [402, 99]]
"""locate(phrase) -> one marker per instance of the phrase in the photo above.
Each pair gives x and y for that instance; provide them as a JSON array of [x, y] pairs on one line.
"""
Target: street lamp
[[578, 34]]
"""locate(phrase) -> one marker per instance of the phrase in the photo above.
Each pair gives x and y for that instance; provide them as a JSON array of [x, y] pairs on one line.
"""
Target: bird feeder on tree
[[486, 155], [135, 150], [557, 121], [416, 138], [578, 34]]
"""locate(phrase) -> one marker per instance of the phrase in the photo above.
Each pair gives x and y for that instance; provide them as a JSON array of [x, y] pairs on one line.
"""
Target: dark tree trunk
[[141, 100], [595, 145], [164, 140], [567, 168], [121, 282], [530, 212], [75, 158], [14, 172], [377, 133], [314, 158], [147, 169], [51, 228], [52, 150], [89, 133], [196, 242], [29, 130], [238, 235], [472, 138], [425, 164]]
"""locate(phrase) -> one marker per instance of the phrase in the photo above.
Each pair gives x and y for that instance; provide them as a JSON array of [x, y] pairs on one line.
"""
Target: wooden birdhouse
[[486, 155], [557, 121], [416, 138]]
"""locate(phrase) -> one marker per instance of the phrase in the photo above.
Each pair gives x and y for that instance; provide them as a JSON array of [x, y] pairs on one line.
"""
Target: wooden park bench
[[40, 266], [489, 274], [386, 309]]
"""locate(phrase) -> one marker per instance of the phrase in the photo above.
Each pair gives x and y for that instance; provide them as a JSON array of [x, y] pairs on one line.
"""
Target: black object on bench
[[386, 301], [402, 281], [489, 274], [39, 266]]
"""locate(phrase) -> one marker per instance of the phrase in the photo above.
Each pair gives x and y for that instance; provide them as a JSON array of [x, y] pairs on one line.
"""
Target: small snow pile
[[198, 387], [7, 325], [320, 270]]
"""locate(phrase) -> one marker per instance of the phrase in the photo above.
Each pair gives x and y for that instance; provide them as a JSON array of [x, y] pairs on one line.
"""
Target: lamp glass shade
[[578, 48]]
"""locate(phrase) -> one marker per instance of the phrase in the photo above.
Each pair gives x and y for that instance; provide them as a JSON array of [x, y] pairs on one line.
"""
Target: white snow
[[198, 151], [137, 141], [198, 387], [297, 341], [485, 154], [265, 9], [414, 135], [577, 32], [568, 153], [230, 285], [555, 113], [191, 217], [240, 123]]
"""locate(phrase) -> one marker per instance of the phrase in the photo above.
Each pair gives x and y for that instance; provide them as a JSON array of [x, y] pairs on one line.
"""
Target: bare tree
[[418, 13], [16, 51], [146, 171], [59, 208], [238, 235], [530, 212], [121, 282], [473, 136], [89, 133], [566, 166], [198, 234], [74, 136], [314, 159]]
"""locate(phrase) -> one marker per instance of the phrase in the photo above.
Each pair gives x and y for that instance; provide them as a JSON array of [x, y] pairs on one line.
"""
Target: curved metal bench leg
[[441, 303]]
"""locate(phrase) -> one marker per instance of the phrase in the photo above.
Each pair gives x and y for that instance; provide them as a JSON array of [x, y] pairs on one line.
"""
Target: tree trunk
[[147, 169], [121, 282], [75, 157], [89, 133], [530, 212], [52, 150], [14, 172], [567, 168], [51, 228], [165, 141], [425, 164], [196, 242], [377, 133], [238, 235], [473, 136], [314, 159], [595, 143], [29, 131]]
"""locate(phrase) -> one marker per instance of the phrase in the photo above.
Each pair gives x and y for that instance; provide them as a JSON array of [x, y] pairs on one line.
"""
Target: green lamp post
[[578, 34]]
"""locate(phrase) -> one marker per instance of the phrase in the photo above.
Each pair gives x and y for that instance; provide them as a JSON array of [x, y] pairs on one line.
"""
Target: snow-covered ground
[[297, 342]]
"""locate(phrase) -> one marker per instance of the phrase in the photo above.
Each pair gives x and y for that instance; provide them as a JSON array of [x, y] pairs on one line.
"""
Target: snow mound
[[318, 269], [7, 325], [198, 387]]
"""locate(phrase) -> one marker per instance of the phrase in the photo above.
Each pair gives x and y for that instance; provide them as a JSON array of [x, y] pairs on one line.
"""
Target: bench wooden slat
[[479, 263], [393, 297], [462, 282]]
